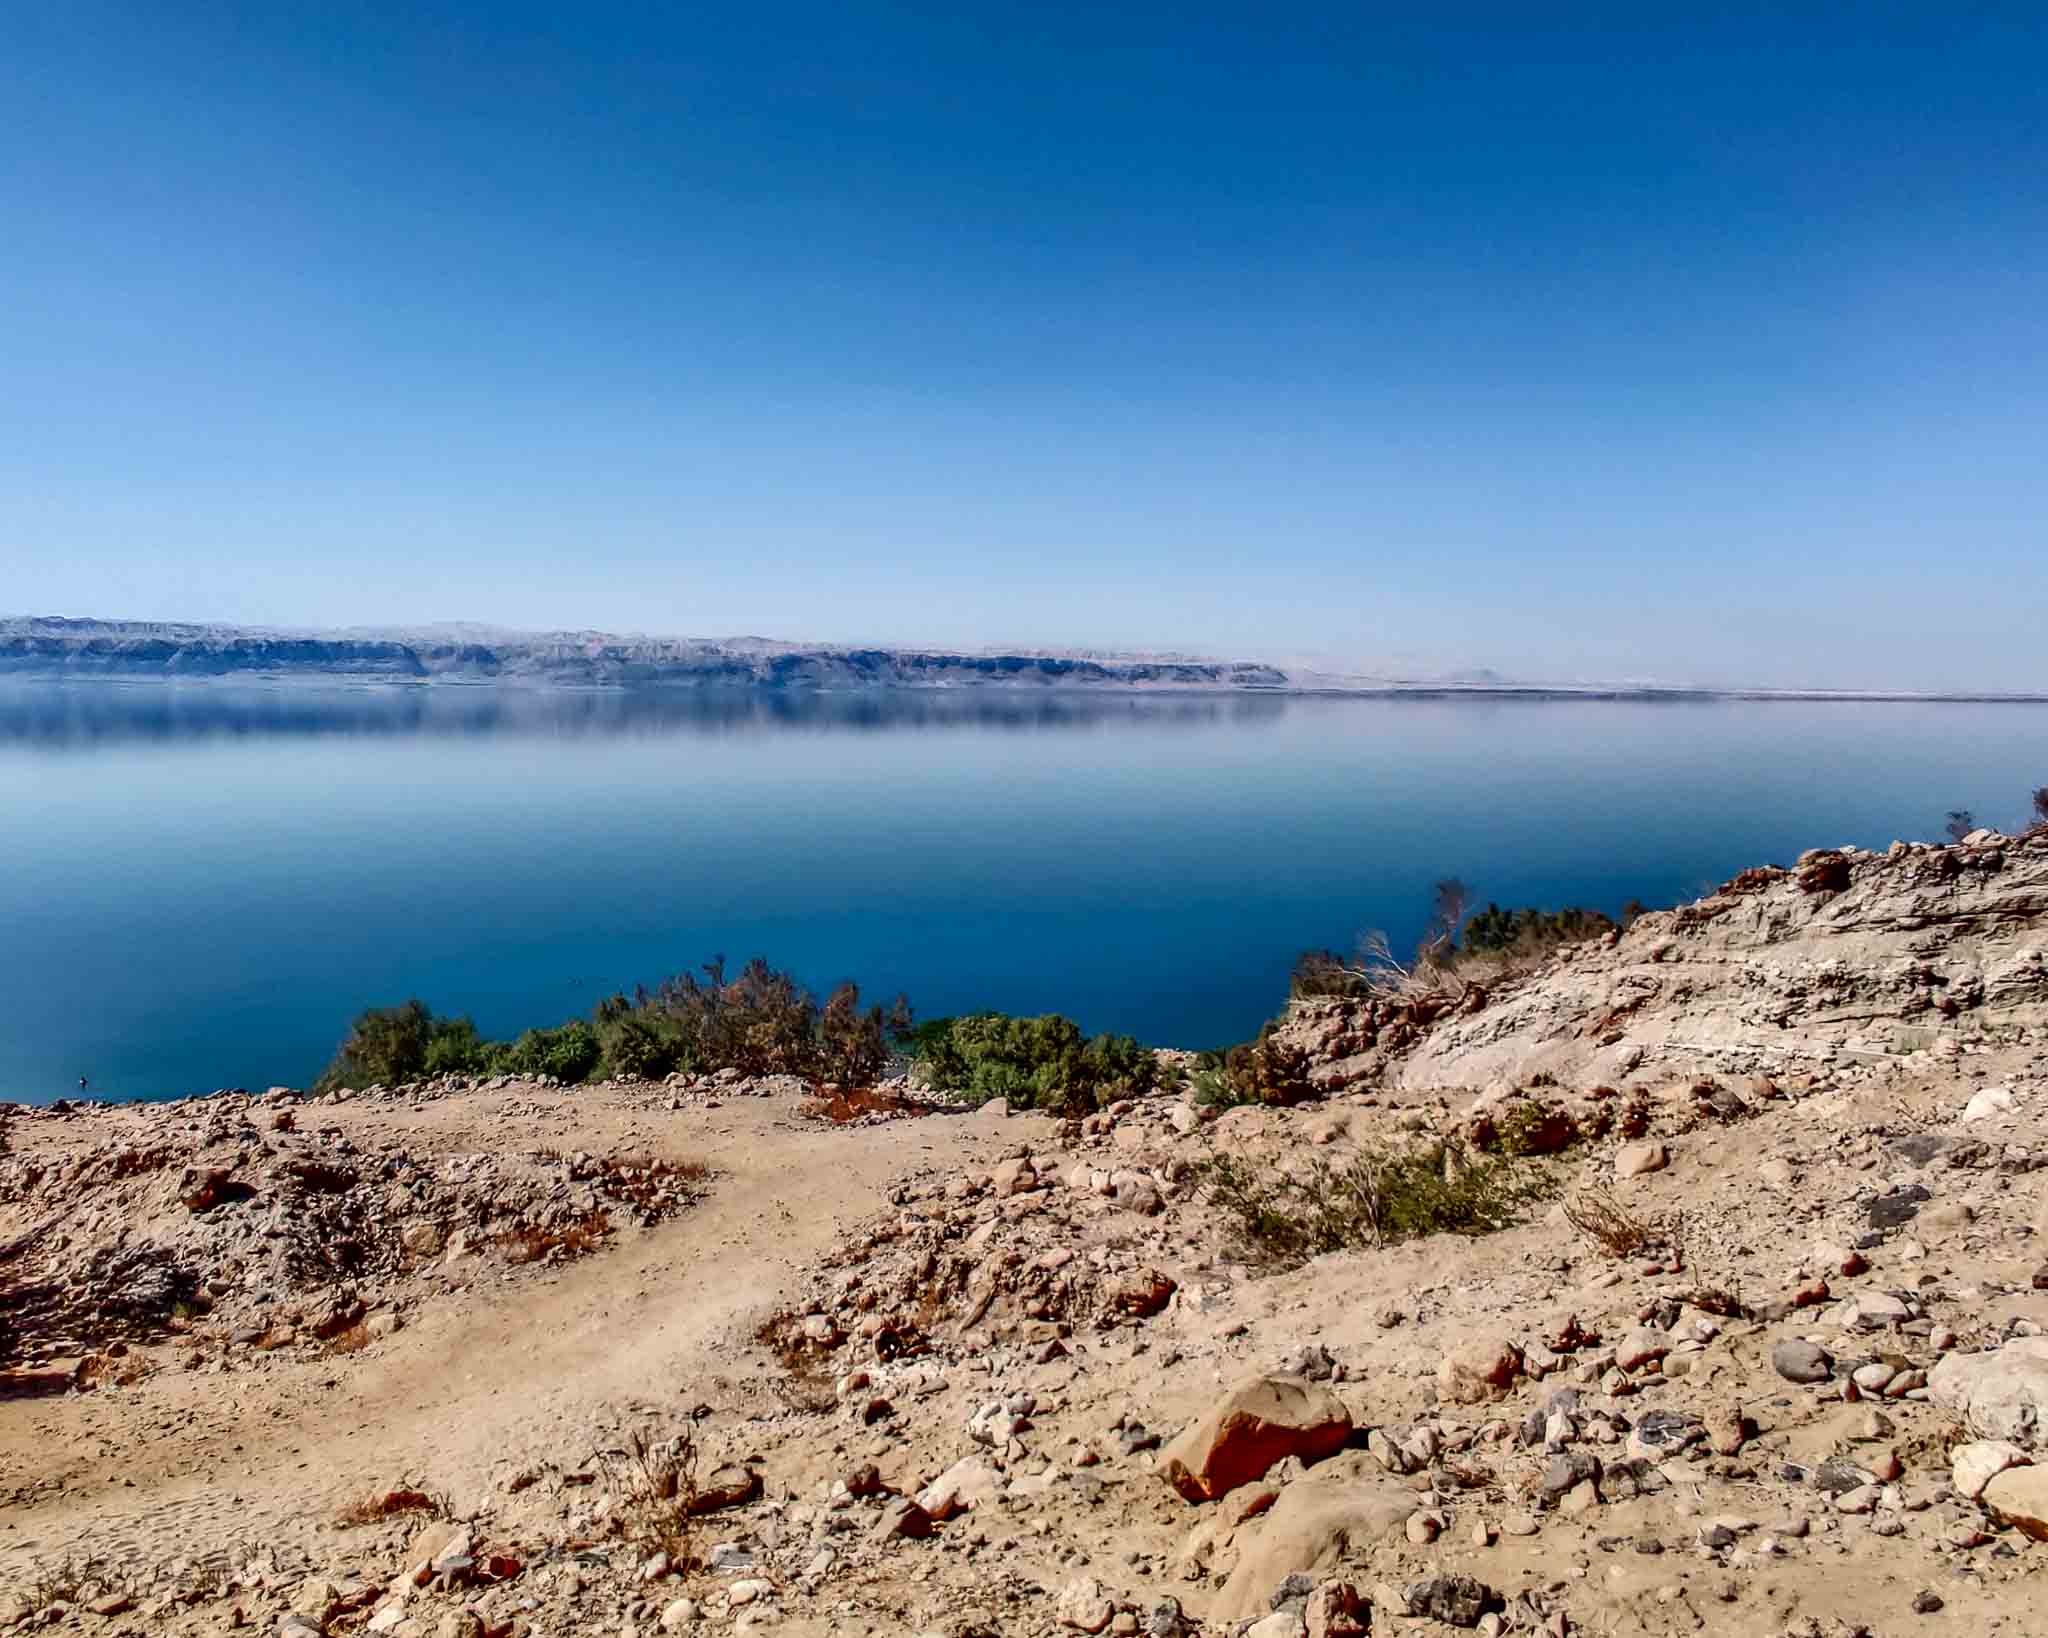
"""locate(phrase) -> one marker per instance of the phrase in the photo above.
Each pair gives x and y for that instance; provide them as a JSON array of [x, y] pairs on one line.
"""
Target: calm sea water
[[201, 884]]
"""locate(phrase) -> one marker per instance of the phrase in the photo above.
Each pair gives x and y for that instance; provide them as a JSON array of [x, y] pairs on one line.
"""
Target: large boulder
[[1260, 1422], [2002, 1394], [1308, 1531], [2019, 1497]]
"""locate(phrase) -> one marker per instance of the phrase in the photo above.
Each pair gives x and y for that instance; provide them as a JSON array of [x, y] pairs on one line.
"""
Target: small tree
[[853, 1045], [385, 1045], [1448, 899], [2041, 807], [1961, 821]]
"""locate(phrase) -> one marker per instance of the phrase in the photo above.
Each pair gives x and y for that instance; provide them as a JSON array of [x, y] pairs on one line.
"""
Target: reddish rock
[[1261, 1422]]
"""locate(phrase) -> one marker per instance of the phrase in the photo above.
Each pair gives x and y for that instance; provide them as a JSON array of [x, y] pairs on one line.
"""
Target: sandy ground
[[513, 1365]]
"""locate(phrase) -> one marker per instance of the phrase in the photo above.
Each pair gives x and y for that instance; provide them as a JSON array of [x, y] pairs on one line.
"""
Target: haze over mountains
[[62, 647]]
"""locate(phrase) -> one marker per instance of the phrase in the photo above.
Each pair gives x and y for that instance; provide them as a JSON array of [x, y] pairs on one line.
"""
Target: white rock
[[1975, 1465], [1084, 1606], [2002, 1394], [1872, 1311], [1992, 1100], [967, 1484]]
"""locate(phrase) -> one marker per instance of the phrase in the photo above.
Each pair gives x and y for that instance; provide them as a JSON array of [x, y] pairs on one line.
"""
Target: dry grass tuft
[[119, 1366], [353, 1340], [654, 1185], [60, 1583], [1601, 1218], [843, 1105], [577, 1238], [657, 1480], [390, 1504]]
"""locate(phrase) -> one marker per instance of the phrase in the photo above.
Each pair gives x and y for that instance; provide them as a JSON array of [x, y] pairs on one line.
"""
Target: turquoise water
[[202, 883]]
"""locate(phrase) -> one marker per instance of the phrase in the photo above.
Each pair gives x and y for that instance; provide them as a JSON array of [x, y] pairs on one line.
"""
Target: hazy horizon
[[1605, 346], [1306, 671]]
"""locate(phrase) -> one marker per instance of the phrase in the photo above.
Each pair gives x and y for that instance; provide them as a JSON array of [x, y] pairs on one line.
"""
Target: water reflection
[[76, 716]]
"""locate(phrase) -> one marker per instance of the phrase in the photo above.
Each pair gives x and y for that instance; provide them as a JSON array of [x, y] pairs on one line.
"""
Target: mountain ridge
[[57, 646]]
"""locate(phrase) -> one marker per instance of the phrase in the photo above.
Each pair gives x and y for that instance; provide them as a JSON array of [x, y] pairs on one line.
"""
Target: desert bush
[[1961, 821], [1319, 973], [1045, 1062], [1285, 1216], [763, 1022], [1531, 932], [569, 1052], [656, 1479], [1448, 901], [1268, 1071], [1605, 1221], [640, 1043], [389, 1045], [759, 1022], [1531, 1126], [853, 1045], [1211, 1085], [2040, 815], [455, 1048], [1456, 949]]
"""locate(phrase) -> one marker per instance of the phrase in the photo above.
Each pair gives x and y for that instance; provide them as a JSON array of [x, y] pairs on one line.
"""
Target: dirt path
[[517, 1366]]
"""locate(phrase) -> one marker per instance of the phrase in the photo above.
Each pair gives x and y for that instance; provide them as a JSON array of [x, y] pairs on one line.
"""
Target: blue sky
[[1573, 341]]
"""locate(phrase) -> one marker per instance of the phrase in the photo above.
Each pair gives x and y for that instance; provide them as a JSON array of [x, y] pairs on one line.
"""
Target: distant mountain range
[[58, 647]]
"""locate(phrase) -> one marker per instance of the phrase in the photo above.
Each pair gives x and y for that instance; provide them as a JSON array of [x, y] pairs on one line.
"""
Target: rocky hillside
[[1848, 957]]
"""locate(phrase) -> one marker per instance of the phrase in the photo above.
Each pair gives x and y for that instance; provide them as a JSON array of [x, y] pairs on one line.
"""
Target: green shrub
[[1213, 1088], [1323, 973], [1044, 1062], [1285, 1217], [921, 1041], [640, 1043], [455, 1048], [1534, 1127], [759, 1022], [568, 1052], [389, 1045], [1527, 932]]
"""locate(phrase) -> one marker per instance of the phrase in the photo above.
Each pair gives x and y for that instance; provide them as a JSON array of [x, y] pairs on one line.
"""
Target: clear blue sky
[[1574, 341]]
